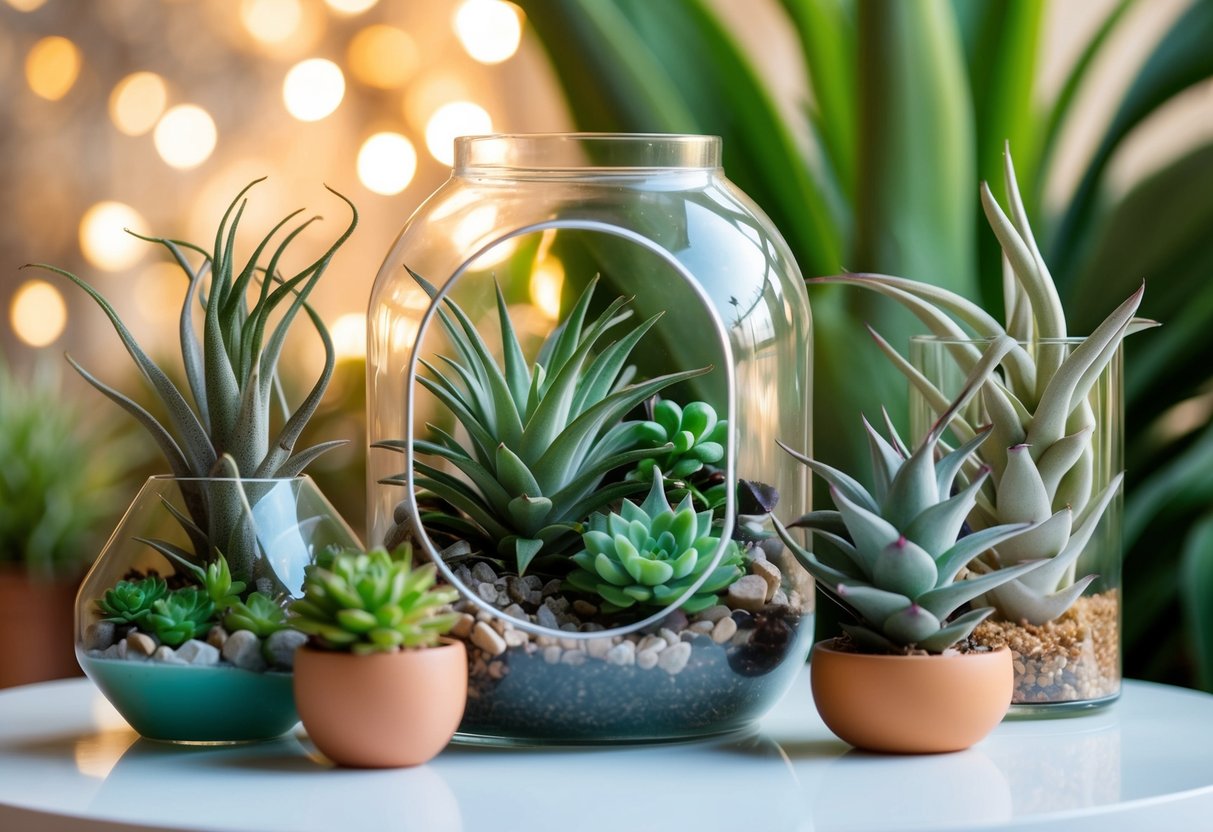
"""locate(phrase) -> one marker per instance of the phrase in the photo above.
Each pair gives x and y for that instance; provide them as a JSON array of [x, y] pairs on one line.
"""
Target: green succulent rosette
[[650, 554], [688, 439]]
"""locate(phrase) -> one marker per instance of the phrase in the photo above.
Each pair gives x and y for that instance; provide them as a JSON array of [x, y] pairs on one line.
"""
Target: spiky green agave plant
[[232, 372], [901, 573], [542, 437], [1040, 455]]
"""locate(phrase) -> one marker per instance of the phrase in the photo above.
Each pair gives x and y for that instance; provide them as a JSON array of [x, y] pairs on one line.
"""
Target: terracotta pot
[[911, 704], [383, 710], [36, 617]]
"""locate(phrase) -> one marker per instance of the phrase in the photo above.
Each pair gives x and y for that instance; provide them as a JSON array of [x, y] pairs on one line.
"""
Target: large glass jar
[[582, 352]]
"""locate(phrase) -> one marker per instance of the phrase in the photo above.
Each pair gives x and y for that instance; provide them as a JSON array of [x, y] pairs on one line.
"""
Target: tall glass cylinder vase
[[582, 350], [1063, 620]]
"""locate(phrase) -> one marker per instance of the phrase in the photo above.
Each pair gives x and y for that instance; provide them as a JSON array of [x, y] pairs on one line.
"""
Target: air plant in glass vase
[[901, 561], [1053, 412], [206, 559]]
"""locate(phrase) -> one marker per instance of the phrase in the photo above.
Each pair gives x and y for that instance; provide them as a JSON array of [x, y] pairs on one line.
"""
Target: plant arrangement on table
[[1052, 411], [181, 620], [377, 684], [582, 499], [906, 677]]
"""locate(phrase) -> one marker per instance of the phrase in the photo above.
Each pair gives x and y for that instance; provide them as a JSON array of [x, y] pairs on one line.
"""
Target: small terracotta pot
[[383, 710], [37, 618], [911, 704]]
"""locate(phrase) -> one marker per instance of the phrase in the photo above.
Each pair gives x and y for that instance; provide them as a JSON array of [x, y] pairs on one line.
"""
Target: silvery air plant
[[905, 566], [1036, 406], [225, 434]]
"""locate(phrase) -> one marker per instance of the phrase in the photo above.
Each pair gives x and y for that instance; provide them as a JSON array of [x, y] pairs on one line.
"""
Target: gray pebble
[[279, 649], [99, 635], [198, 653], [546, 618], [487, 591], [484, 573], [243, 649], [622, 654], [552, 653], [165, 655], [714, 614], [673, 659]]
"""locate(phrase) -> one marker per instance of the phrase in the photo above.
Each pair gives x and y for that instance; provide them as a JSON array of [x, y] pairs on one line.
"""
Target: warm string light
[[349, 336], [350, 7], [490, 30], [387, 163], [313, 89], [458, 118], [137, 102], [271, 21], [103, 237], [38, 313], [52, 66], [185, 136], [382, 56]]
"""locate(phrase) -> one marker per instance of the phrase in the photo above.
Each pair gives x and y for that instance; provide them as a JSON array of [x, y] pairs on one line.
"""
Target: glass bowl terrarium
[[181, 622], [582, 350]]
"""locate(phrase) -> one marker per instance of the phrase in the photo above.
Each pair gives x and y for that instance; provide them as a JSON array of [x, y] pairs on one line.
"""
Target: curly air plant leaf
[[542, 437], [373, 602], [181, 615], [651, 554], [1040, 456], [239, 424], [130, 602], [903, 566]]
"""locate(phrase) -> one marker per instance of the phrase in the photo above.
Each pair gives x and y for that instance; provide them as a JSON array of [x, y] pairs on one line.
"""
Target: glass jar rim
[[599, 153]]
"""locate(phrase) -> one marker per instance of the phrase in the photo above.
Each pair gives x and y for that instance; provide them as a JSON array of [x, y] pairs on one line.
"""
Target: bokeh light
[[137, 102], [271, 21], [459, 118], [52, 66], [185, 136], [313, 89], [26, 5], [159, 286], [490, 30], [386, 163], [103, 238], [382, 56], [429, 92], [350, 6], [349, 336], [38, 313], [547, 282]]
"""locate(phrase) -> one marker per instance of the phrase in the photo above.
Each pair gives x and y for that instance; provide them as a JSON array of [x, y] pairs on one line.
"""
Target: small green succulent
[[903, 556], [259, 613], [130, 602], [371, 602], [181, 615], [220, 587], [697, 438], [541, 438], [651, 553]]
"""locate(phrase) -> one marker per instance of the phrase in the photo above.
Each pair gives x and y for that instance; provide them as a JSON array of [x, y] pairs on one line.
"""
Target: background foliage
[[909, 104]]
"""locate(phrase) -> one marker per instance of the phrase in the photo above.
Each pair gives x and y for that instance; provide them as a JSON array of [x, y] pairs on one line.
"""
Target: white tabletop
[[67, 761]]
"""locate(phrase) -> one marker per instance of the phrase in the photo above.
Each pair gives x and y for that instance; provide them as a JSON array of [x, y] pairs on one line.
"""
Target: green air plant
[[903, 557], [1040, 456], [130, 602], [372, 602], [541, 437], [233, 422], [650, 554], [181, 615]]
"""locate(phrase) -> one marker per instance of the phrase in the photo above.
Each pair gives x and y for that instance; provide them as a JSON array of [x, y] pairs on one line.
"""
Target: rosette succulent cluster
[[181, 615], [1040, 458], [370, 602], [903, 565], [651, 554], [130, 602], [541, 437], [687, 438]]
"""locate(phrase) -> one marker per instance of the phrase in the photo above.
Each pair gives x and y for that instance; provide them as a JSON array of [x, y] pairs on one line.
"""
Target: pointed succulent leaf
[[874, 605], [1027, 605], [952, 632], [910, 625], [937, 526], [944, 600], [1022, 497], [844, 483], [905, 568], [964, 550]]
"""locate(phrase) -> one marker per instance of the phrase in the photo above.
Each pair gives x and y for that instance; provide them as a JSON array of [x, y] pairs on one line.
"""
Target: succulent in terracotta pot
[[377, 685], [897, 681]]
